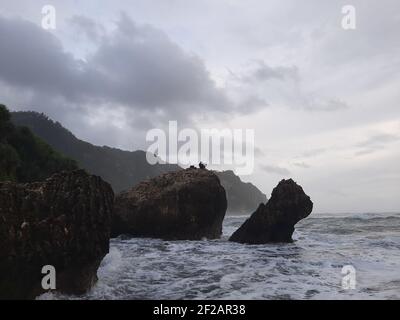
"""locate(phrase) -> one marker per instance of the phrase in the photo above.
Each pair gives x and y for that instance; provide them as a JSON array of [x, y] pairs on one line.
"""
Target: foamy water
[[309, 268]]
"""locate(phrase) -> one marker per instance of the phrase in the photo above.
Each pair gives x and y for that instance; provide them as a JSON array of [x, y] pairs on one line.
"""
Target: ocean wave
[[309, 268]]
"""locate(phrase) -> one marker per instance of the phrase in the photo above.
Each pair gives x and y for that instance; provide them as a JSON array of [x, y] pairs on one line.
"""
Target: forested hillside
[[23, 156]]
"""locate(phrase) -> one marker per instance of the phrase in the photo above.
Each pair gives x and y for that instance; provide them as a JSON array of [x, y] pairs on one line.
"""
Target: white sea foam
[[309, 268], [112, 261]]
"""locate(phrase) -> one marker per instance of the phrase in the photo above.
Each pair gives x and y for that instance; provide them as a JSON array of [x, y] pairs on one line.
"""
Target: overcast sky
[[323, 101]]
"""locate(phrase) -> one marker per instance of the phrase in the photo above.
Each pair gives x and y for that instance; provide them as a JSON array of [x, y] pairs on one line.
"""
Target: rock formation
[[64, 222], [184, 205], [275, 220]]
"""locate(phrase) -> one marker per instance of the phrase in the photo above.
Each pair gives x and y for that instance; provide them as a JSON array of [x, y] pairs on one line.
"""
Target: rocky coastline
[[67, 220]]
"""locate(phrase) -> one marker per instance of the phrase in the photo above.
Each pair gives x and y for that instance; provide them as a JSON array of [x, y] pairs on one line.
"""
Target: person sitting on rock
[[202, 165]]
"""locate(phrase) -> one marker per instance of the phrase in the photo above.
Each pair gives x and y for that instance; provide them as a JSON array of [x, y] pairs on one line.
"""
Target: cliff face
[[188, 204], [242, 197], [64, 222], [275, 220]]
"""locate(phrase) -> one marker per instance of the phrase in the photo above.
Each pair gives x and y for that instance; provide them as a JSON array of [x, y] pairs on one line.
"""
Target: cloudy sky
[[323, 101]]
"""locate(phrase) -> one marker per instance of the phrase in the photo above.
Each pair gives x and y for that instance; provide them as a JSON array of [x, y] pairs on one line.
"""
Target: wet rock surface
[[64, 222], [183, 205], [275, 220]]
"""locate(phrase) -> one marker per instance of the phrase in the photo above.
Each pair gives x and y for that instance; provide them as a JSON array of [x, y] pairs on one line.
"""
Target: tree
[[24, 157]]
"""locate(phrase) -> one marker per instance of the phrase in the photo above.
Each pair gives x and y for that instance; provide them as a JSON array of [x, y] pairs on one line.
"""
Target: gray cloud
[[34, 59], [135, 67], [376, 143], [275, 170], [313, 153], [145, 68], [264, 72], [302, 165], [283, 86], [325, 104], [368, 151], [251, 103], [379, 140], [259, 152], [91, 29]]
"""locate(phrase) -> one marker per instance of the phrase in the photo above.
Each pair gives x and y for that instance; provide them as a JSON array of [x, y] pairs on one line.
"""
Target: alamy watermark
[[49, 280], [49, 17], [349, 20], [349, 280], [233, 148]]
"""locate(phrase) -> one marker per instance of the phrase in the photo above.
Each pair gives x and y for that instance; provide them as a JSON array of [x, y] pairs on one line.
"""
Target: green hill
[[122, 169], [23, 156]]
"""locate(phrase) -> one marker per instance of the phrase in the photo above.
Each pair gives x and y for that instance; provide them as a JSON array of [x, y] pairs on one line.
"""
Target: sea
[[333, 256]]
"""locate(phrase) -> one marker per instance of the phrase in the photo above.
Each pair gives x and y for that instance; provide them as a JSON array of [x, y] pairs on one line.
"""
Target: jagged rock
[[187, 204], [275, 220], [64, 222]]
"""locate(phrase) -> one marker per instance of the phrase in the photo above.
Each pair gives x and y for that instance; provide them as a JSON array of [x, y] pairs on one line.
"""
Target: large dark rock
[[64, 222], [275, 220], [188, 205]]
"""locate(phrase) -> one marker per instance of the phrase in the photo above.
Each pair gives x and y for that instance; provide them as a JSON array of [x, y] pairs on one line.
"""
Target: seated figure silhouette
[[202, 165]]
